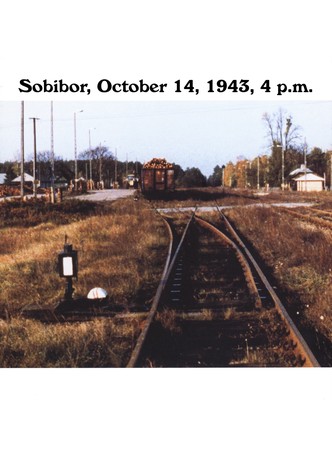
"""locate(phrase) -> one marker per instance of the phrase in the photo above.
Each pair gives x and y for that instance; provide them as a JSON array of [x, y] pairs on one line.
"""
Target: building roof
[[27, 178], [309, 178], [301, 170]]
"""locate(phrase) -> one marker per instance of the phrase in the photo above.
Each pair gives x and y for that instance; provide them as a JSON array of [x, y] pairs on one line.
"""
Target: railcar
[[157, 176]]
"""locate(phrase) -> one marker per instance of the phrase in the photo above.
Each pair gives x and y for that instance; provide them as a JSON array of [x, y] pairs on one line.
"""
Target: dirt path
[[106, 195]]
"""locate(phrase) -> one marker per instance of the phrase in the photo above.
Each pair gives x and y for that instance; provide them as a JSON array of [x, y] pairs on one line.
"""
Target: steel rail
[[321, 212], [244, 263], [164, 278], [318, 221], [301, 346]]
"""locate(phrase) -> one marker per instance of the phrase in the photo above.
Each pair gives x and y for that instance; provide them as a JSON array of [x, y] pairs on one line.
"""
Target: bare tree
[[284, 138], [281, 130]]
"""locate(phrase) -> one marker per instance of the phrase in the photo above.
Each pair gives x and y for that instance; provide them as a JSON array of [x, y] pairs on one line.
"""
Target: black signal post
[[68, 268]]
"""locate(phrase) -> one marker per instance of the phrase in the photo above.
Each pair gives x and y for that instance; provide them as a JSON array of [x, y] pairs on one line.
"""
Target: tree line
[[287, 149], [98, 164]]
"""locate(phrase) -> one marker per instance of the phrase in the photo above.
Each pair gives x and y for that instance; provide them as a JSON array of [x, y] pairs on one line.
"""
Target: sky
[[199, 134]]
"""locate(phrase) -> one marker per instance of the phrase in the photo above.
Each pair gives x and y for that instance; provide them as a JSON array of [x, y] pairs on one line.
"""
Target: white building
[[300, 170], [27, 178], [304, 180], [309, 183]]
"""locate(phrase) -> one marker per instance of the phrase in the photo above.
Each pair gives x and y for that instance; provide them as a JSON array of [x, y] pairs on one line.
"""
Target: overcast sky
[[199, 134]]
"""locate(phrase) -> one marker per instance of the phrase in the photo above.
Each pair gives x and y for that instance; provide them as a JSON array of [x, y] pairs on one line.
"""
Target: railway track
[[319, 218], [214, 306]]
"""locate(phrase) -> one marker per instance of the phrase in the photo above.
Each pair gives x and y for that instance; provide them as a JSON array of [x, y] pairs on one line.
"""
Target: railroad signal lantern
[[68, 267], [68, 262]]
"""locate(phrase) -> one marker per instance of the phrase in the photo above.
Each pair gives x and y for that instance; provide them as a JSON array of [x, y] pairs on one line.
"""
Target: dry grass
[[128, 265], [121, 249], [117, 251], [299, 257], [98, 343], [203, 197]]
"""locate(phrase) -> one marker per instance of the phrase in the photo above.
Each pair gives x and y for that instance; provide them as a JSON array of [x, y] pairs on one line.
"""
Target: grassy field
[[121, 247], [297, 254]]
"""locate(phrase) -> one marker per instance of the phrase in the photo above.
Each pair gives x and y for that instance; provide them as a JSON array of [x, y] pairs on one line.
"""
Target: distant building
[[27, 178], [300, 171], [309, 183], [3, 178], [304, 180]]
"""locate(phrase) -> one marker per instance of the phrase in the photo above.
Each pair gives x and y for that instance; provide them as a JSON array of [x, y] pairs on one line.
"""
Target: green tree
[[10, 169], [317, 161], [178, 175], [193, 177], [215, 180]]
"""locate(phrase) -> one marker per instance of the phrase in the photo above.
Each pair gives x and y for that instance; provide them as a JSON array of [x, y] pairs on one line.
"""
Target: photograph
[[165, 235]]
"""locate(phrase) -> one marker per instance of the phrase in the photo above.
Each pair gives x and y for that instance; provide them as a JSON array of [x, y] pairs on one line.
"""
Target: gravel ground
[[106, 195]]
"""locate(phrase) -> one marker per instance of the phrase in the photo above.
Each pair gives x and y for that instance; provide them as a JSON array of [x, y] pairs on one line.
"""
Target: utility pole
[[115, 169], [100, 164], [305, 165], [223, 175], [52, 157], [282, 165], [34, 157], [75, 149], [284, 148], [258, 173], [90, 159], [22, 149], [282, 168], [330, 171]]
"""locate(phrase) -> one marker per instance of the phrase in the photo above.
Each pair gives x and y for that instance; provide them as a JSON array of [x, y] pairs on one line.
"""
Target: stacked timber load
[[157, 176], [157, 163]]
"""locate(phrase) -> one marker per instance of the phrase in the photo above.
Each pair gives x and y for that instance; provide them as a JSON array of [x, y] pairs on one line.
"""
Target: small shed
[[27, 178], [309, 183], [300, 170]]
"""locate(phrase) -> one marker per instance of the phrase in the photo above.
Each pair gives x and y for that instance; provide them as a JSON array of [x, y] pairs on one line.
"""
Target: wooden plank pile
[[157, 163]]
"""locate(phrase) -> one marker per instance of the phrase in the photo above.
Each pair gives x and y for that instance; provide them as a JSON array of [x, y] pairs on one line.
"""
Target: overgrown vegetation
[[97, 343], [34, 212], [299, 258], [121, 248]]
